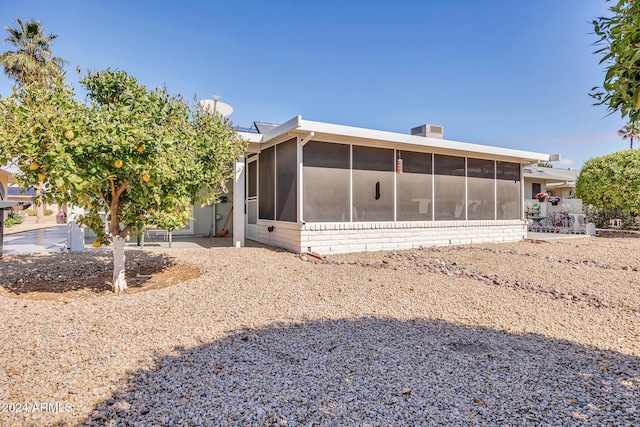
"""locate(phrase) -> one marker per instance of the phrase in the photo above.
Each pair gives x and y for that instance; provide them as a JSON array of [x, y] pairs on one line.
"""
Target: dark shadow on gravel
[[373, 371], [617, 234], [67, 272]]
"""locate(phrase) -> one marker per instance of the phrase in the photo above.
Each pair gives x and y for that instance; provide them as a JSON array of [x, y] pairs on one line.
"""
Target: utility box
[[75, 237]]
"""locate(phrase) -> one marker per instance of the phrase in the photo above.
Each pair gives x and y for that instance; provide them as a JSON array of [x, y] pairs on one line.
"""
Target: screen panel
[[373, 185], [286, 182], [508, 191], [449, 183], [481, 189], [414, 192], [266, 184], [325, 182]]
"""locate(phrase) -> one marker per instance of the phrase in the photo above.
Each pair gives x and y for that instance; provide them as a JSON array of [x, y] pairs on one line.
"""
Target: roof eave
[[298, 125]]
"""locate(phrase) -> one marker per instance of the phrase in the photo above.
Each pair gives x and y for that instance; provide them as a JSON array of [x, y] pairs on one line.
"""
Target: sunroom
[[327, 188]]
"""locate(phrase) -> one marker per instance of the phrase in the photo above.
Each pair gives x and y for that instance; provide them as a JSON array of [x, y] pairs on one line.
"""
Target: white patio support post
[[238, 202], [299, 162]]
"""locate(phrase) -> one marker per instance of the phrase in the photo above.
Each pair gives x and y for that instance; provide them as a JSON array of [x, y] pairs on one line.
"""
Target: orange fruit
[[69, 134], [41, 177], [146, 178], [118, 163], [34, 166], [90, 205], [97, 244], [141, 149]]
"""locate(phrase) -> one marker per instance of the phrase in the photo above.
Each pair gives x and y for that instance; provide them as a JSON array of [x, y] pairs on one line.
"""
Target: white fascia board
[[297, 123], [287, 126], [251, 137]]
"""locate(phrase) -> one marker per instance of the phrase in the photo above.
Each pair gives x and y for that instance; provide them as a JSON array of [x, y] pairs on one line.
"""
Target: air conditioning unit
[[430, 131]]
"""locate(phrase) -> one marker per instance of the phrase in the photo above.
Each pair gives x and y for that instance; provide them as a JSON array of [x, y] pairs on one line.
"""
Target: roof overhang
[[4, 204], [329, 132]]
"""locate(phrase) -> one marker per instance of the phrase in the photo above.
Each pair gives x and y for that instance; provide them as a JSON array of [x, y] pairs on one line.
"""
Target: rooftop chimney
[[429, 131]]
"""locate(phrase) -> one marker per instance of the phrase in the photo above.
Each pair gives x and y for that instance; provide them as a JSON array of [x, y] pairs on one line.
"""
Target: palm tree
[[32, 60], [630, 130]]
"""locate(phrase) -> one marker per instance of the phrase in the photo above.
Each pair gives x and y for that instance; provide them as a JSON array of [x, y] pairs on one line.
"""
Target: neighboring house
[[555, 182], [319, 187], [5, 176]]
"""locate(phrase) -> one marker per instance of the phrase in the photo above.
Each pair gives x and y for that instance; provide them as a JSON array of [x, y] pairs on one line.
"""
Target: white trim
[[239, 186], [299, 183], [297, 124], [350, 183]]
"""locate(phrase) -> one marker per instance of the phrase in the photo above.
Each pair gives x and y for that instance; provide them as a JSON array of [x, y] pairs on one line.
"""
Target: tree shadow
[[82, 271], [378, 371], [618, 234]]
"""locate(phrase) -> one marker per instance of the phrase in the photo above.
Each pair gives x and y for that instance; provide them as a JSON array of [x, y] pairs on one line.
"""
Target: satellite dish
[[214, 106]]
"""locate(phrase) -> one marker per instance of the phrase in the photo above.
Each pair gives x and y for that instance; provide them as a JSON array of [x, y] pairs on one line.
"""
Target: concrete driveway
[[49, 239]]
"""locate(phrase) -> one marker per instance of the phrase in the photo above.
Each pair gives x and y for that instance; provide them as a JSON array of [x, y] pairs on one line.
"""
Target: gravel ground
[[503, 334]]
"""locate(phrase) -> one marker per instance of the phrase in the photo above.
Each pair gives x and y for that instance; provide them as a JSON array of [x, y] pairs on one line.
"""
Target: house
[[554, 181], [319, 187], [5, 177]]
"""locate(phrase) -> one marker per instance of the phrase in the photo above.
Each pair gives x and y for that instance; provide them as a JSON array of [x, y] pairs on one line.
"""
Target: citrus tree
[[130, 155], [611, 181], [619, 37]]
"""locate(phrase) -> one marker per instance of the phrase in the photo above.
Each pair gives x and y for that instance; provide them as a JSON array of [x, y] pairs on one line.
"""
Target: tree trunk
[[631, 144], [39, 208], [119, 280]]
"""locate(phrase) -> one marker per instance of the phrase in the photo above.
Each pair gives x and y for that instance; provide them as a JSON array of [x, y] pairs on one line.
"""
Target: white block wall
[[333, 238]]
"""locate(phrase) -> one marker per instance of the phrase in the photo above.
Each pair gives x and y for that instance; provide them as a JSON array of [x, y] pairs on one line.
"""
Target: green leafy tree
[[611, 181], [631, 130], [136, 155], [619, 37], [32, 60]]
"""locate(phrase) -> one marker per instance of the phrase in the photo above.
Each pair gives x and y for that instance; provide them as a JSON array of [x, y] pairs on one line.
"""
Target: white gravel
[[506, 335]]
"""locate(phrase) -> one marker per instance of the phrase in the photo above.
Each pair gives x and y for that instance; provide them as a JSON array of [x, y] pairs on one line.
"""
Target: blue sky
[[507, 73]]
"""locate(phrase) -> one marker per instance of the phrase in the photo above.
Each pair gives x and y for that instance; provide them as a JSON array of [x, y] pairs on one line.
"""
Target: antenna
[[215, 106]]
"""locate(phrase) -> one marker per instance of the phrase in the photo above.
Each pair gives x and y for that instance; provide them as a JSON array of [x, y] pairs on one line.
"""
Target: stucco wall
[[354, 237]]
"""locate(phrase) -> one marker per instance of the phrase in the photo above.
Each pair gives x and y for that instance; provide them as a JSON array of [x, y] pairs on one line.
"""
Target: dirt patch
[[52, 276]]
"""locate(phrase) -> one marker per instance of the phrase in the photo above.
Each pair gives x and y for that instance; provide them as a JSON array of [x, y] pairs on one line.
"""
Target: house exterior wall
[[334, 238]]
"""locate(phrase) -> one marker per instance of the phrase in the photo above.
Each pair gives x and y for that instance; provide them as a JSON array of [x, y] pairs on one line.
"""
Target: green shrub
[[33, 212], [601, 217], [12, 220]]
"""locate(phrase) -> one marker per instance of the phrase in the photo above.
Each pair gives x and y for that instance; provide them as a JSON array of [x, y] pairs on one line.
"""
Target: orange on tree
[[97, 244], [118, 163], [141, 149], [69, 134], [146, 178], [41, 176], [34, 166]]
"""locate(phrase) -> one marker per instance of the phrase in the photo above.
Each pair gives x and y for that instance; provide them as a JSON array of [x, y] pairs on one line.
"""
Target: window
[[373, 191], [449, 187], [325, 182], [413, 201], [535, 189], [480, 189], [508, 191]]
